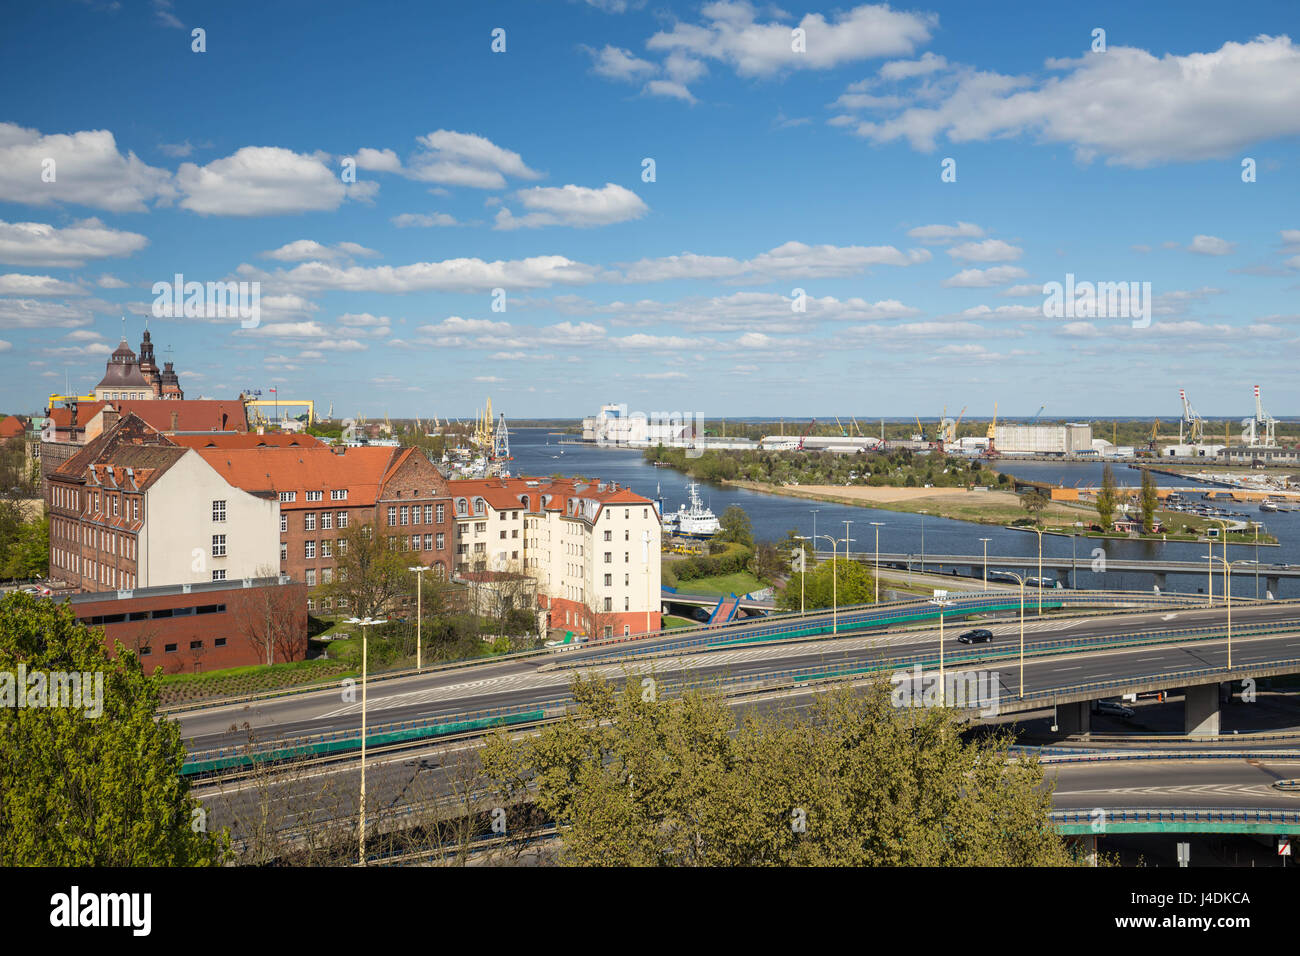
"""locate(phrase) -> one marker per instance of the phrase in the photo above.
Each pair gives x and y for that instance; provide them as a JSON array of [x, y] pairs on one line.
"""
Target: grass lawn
[[741, 582], [235, 681], [671, 621]]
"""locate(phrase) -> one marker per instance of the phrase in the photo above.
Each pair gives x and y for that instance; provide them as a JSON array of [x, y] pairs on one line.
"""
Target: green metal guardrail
[[1104, 820]]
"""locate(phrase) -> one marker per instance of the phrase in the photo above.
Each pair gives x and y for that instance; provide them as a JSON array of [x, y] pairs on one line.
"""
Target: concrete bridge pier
[[1074, 719], [1161, 579], [977, 572], [1271, 584], [1201, 710]]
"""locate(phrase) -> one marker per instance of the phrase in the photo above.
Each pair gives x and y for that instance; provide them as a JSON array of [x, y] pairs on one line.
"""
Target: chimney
[[176, 419]]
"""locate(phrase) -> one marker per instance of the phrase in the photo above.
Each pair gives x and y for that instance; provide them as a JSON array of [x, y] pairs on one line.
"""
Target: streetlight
[[814, 514], [941, 599], [986, 562], [880, 524], [923, 514], [1022, 631], [363, 623], [847, 539], [419, 570], [835, 600], [1223, 538], [1227, 590], [1040, 569]]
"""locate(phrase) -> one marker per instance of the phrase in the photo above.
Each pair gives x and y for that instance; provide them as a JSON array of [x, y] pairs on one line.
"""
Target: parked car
[[978, 635]]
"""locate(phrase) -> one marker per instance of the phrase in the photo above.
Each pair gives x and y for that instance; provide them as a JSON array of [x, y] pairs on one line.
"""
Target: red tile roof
[[192, 415], [62, 417], [503, 494], [360, 470], [12, 427], [246, 440]]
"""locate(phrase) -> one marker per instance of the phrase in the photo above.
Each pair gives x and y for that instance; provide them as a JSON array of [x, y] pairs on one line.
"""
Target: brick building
[[323, 490], [132, 509], [202, 627]]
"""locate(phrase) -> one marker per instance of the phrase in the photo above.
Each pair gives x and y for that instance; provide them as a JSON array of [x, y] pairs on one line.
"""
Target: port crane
[[1192, 424], [1258, 432], [992, 434], [806, 432]]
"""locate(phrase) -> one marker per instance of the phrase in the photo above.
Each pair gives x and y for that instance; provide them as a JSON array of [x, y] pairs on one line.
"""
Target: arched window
[[462, 506], [479, 506]]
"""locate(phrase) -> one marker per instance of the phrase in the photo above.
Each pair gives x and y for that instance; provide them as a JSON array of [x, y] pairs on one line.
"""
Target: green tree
[[850, 584], [27, 550], [1106, 498], [635, 781], [735, 526], [83, 788], [370, 571], [1149, 501], [1034, 502]]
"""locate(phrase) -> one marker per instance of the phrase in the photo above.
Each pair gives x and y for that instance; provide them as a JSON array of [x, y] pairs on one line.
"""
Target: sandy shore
[[887, 495]]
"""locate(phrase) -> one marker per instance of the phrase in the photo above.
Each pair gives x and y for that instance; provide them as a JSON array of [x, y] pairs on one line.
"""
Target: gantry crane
[[1191, 423]]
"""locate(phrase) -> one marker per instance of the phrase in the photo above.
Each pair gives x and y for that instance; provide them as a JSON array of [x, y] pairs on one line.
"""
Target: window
[[428, 514], [327, 548], [339, 494], [609, 604], [284, 551], [195, 645], [218, 511], [326, 575], [309, 550], [288, 496], [218, 545], [609, 536], [115, 497], [315, 495], [415, 542], [219, 642], [309, 521], [326, 520], [219, 574], [392, 515], [627, 580], [428, 542], [609, 557], [441, 539], [311, 577], [168, 648], [405, 514], [514, 532], [503, 534], [284, 524], [609, 580], [343, 519], [441, 513], [135, 509], [480, 527]]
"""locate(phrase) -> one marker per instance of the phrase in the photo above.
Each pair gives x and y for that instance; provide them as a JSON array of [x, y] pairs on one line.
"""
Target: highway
[[536, 681]]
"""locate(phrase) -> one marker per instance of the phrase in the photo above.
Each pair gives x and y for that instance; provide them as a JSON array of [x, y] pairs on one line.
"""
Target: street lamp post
[[814, 534], [880, 524], [419, 570], [986, 562], [847, 539], [1040, 570], [1022, 631], [835, 600], [941, 599], [1227, 590], [363, 623]]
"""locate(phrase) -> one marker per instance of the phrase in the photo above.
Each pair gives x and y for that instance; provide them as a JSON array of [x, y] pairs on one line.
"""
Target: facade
[[592, 548], [133, 510], [322, 490], [202, 627]]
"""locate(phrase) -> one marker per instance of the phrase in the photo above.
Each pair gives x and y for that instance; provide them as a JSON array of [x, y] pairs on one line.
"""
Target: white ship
[[696, 521]]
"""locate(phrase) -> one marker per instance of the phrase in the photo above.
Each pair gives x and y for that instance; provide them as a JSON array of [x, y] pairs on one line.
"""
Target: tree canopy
[[637, 781], [91, 785]]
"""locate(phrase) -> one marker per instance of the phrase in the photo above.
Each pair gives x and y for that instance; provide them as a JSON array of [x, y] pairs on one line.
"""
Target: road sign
[[1184, 853], [1283, 846]]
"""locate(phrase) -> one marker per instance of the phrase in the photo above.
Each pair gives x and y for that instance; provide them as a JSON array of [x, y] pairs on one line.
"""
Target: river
[[537, 452]]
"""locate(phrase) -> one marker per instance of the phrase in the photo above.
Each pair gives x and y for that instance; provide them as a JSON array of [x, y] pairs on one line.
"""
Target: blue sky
[[776, 169]]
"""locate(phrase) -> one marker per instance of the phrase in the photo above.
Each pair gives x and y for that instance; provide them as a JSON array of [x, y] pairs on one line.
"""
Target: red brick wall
[[245, 608]]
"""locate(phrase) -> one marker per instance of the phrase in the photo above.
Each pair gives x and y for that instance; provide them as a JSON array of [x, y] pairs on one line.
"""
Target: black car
[[977, 636]]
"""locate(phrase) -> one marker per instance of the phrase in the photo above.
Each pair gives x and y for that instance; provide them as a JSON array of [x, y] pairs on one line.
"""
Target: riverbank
[[978, 507]]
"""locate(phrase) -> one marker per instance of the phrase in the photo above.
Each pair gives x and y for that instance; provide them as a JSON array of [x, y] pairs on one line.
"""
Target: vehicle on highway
[[977, 635], [1113, 708], [570, 640], [37, 590]]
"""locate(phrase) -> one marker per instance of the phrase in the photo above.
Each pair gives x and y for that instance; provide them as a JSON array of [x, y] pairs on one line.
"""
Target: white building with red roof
[[592, 548]]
